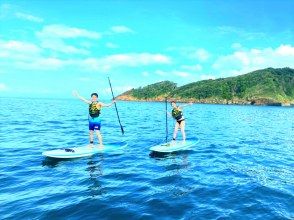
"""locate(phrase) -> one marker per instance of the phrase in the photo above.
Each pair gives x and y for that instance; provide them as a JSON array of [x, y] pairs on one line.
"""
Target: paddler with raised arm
[[177, 114], [94, 116]]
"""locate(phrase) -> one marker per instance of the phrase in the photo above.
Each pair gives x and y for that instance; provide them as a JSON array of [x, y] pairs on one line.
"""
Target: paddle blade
[[122, 129]]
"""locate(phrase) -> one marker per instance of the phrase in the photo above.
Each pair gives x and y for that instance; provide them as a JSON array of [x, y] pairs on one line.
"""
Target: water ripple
[[242, 167]]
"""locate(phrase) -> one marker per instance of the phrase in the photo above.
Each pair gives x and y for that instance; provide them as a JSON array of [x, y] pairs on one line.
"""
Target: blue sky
[[49, 48]]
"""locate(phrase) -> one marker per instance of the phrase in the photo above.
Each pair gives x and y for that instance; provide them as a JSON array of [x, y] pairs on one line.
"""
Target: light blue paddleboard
[[174, 146], [84, 151]]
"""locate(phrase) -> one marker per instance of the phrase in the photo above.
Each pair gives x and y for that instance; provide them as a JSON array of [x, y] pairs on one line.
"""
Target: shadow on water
[[175, 161], [162, 155], [54, 162]]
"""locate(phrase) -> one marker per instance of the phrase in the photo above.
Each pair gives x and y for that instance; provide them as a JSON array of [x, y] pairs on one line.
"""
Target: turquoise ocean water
[[242, 168]]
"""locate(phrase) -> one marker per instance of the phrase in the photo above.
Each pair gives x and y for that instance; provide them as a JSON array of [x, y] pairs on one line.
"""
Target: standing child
[[94, 112], [177, 114]]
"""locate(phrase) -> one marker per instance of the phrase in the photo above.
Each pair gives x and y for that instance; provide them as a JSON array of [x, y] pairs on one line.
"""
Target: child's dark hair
[[95, 94]]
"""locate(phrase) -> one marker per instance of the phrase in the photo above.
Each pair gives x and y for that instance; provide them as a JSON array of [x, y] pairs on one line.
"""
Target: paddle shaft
[[166, 125], [121, 127]]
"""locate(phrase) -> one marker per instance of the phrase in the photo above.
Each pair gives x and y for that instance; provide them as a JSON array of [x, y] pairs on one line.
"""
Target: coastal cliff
[[261, 87]]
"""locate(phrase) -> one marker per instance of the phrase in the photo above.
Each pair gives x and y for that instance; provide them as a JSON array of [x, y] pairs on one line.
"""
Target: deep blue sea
[[242, 168]]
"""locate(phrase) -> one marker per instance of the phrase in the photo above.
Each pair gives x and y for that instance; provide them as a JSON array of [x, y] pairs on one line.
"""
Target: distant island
[[261, 87]]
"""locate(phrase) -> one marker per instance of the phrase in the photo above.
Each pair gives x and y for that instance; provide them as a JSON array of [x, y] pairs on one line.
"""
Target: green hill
[[157, 91], [268, 86]]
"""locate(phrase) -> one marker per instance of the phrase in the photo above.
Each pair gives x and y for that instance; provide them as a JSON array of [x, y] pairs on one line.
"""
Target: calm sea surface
[[242, 168]]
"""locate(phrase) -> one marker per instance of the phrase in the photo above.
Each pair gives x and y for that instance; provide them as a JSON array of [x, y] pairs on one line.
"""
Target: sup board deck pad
[[83, 151], [174, 146]]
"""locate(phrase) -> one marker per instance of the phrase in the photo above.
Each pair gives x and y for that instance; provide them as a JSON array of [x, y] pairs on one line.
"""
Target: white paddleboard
[[174, 146], [84, 151]]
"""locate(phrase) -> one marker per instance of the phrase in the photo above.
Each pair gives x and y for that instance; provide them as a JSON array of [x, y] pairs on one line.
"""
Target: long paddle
[[166, 125], [121, 127]]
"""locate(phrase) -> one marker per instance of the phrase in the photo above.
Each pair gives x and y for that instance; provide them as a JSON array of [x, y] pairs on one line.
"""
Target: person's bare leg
[[183, 124], [91, 137], [99, 136], [176, 131]]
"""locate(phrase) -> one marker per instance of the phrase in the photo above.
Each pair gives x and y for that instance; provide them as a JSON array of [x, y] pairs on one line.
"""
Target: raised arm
[[107, 105], [182, 106], [169, 114], [76, 94]]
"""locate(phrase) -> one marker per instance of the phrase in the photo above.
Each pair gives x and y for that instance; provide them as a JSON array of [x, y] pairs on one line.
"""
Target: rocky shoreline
[[255, 101]]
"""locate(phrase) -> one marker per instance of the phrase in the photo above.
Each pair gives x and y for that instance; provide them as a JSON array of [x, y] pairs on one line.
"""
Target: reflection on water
[[176, 166], [54, 162], [95, 169], [242, 169]]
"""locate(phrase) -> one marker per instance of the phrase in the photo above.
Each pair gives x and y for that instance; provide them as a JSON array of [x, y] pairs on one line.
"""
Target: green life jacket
[[93, 110], [177, 114]]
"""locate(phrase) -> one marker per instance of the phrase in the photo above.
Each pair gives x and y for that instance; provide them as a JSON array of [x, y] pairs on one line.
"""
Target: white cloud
[[236, 46], [172, 72], [192, 53], [135, 59], [244, 61], [121, 29], [181, 73], [18, 50], [229, 30], [111, 45], [24, 55], [54, 37], [12, 11], [60, 46], [19, 46], [93, 64], [104, 64], [62, 31], [200, 54], [145, 73], [161, 73], [28, 17], [285, 50], [194, 68], [42, 64], [3, 87]]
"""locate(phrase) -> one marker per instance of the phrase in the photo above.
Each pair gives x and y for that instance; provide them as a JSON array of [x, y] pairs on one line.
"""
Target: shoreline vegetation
[[273, 87]]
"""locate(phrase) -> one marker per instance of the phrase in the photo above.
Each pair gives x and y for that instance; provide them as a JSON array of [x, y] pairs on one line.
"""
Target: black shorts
[[180, 121]]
